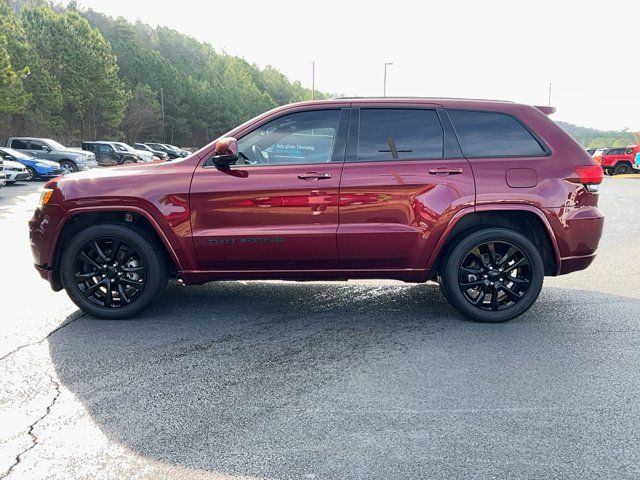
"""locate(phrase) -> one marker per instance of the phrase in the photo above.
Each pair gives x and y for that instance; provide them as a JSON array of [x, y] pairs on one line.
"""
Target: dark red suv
[[484, 197]]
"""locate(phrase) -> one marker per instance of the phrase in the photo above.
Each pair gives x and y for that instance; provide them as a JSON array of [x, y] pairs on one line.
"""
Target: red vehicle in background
[[618, 160]]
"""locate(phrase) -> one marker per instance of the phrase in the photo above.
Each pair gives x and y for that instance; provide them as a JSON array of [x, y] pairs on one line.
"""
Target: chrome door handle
[[314, 176], [445, 171]]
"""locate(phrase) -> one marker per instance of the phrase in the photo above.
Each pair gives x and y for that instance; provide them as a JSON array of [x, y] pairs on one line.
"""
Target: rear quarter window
[[492, 134], [19, 144]]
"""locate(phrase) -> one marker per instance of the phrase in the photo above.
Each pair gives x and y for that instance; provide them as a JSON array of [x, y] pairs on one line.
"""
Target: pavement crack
[[27, 345], [30, 430]]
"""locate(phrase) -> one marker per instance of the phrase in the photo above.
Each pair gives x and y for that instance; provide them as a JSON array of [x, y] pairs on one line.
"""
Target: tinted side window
[[490, 134], [102, 148], [399, 134], [19, 144], [36, 145], [304, 137]]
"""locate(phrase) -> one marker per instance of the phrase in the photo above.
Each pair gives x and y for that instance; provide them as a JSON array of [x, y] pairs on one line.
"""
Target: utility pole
[[549, 101], [162, 105], [386, 64], [313, 80]]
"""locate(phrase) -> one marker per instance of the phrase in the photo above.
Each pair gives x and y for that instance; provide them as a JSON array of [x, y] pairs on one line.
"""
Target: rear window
[[491, 134], [398, 134], [19, 144]]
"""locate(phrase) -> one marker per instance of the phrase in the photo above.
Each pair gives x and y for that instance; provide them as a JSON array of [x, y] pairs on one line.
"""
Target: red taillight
[[590, 176]]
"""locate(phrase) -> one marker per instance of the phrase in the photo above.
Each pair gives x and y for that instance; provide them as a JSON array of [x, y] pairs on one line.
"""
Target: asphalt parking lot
[[344, 380]]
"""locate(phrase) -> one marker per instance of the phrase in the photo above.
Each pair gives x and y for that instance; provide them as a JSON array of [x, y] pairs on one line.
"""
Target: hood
[[12, 164], [49, 163]]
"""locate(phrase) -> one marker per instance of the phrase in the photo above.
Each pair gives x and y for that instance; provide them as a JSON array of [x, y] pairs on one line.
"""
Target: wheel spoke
[[133, 283], [132, 269], [86, 259], [494, 298], [491, 246], [108, 299], [473, 283], [471, 271], [510, 293], [483, 293], [85, 276], [115, 246], [101, 254], [519, 281], [507, 256], [476, 253], [90, 290], [123, 295], [127, 253], [520, 263]]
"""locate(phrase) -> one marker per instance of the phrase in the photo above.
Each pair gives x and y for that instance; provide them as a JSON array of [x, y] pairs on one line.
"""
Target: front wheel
[[492, 275], [113, 271], [32, 174], [68, 167]]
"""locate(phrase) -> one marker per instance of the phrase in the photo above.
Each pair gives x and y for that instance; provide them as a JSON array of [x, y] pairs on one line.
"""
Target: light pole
[[386, 64], [313, 80]]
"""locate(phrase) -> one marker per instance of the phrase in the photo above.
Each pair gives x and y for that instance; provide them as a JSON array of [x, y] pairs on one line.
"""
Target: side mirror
[[225, 152]]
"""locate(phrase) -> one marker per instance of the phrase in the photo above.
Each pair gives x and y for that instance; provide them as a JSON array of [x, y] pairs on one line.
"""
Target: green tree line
[[593, 138], [79, 74]]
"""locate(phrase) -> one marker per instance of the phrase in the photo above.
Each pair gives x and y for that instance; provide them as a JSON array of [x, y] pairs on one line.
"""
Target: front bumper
[[44, 230], [49, 173], [12, 176]]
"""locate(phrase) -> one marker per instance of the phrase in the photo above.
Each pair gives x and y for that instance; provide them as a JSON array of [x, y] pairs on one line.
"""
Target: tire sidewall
[[460, 251], [156, 277]]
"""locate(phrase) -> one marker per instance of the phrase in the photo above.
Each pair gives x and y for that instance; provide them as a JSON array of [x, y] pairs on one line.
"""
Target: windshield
[[123, 147], [54, 144], [16, 153]]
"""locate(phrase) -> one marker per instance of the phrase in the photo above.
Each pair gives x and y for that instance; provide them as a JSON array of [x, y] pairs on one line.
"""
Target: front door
[[277, 208], [404, 177]]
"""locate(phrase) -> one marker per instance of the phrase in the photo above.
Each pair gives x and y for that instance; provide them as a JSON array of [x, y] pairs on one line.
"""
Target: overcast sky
[[510, 50]]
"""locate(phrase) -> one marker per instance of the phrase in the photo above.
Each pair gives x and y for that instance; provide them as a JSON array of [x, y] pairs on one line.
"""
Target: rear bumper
[[577, 234]]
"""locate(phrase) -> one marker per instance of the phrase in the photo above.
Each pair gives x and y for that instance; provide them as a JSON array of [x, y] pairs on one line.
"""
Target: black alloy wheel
[[492, 275], [113, 270], [109, 272]]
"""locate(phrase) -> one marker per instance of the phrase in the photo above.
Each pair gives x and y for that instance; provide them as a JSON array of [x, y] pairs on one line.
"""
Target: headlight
[[45, 196], [43, 165]]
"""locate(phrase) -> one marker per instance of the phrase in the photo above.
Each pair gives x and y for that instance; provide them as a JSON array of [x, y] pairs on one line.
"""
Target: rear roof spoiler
[[546, 110]]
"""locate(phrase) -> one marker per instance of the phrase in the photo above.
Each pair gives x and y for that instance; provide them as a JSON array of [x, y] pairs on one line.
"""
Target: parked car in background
[[2, 177], [37, 167], [469, 193], [636, 165], [143, 155], [598, 152], [618, 160], [164, 148], [162, 155], [591, 151], [70, 160], [14, 171], [181, 152], [108, 155]]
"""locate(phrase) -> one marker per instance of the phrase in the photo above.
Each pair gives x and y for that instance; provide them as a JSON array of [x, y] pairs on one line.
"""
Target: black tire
[[151, 256], [32, 174], [128, 161], [67, 166], [487, 280], [622, 169]]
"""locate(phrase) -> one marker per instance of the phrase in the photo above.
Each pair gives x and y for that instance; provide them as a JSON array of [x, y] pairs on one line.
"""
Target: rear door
[[277, 208], [404, 178]]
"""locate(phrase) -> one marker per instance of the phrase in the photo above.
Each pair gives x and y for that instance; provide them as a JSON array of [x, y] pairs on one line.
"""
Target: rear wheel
[[622, 169], [68, 166], [113, 271], [492, 275]]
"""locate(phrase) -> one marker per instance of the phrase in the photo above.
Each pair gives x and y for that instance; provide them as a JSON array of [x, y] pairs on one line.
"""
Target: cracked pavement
[[345, 380]]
